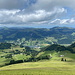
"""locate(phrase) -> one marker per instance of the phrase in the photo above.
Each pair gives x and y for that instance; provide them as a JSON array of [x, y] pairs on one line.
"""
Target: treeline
[[57, 48], [32, 59], [27, 51], [5, 45], [34, 53]]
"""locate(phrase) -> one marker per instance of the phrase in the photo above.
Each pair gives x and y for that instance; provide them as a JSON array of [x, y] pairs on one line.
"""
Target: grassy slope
[[4, 60], [44, 67], [56, 55], [40, 68]]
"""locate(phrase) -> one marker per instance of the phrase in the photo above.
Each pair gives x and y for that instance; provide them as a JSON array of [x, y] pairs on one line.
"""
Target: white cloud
[[8, 12], [20, 17], [63, 21], [34, 11]]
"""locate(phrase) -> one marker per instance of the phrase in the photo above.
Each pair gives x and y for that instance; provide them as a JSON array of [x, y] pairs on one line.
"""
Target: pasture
[[45, 67]]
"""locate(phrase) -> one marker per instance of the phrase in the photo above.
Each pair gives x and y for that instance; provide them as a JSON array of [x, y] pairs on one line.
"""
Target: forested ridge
[[60, 35]]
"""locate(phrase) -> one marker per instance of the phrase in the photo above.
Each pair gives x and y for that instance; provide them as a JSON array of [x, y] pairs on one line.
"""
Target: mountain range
[[63, 35]]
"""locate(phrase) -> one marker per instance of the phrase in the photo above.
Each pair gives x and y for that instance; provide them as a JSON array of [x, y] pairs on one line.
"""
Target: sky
[[37, 13]]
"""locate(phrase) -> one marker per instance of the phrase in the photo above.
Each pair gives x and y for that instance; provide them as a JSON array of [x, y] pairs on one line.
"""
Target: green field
[[51, 66], [45, 67]]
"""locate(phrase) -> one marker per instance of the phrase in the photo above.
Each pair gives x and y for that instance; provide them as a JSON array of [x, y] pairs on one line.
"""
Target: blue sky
[[37, 13]]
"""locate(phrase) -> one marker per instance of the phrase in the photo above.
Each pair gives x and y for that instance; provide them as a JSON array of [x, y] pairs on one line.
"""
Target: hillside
[[40, 68], [17, 54], [60, 35], [51, 60], [53, 66]]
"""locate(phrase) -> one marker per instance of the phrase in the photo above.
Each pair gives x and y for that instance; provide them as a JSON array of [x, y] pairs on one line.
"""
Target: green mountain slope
[[51, 66], [57, 52], [61, 35]]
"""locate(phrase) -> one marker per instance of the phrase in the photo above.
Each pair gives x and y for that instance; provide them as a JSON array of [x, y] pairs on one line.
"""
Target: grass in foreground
[[46, 71], [43, 67], [40, 68]]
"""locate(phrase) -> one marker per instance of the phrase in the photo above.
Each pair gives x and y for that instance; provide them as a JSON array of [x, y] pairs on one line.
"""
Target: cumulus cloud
[[20, 17], [34, 11]]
